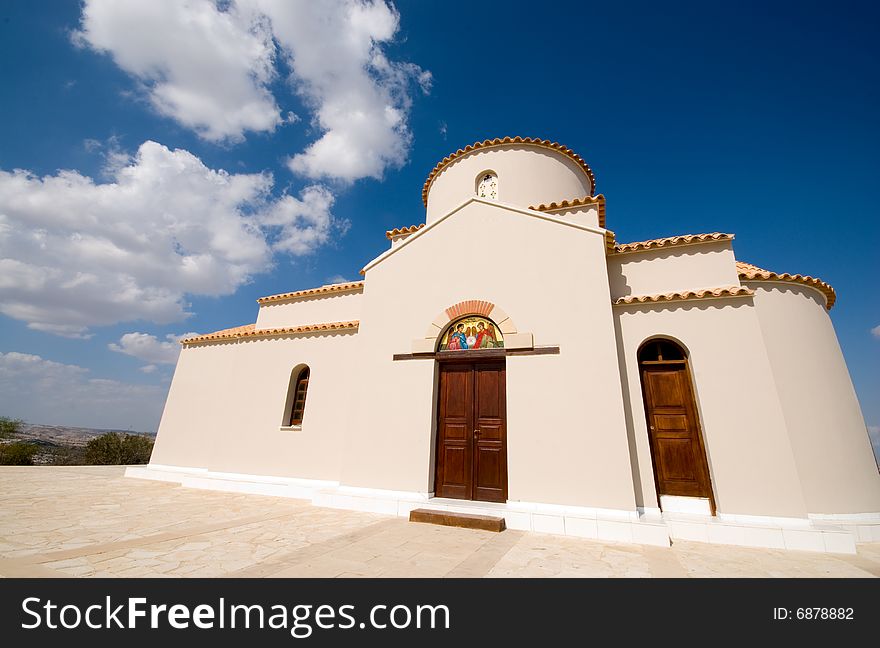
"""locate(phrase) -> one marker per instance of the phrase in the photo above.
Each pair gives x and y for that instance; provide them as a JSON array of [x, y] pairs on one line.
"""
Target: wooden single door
[[471, 458], [680, 465]]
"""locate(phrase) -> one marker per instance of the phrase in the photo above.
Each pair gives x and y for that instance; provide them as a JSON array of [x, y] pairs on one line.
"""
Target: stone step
[[463, 520]]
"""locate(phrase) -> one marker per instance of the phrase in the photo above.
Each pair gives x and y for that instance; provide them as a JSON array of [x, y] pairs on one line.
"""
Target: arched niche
[[512, 336], [469, 333]]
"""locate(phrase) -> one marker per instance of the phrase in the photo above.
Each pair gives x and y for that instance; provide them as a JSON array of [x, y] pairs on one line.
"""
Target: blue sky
[[302, 131]]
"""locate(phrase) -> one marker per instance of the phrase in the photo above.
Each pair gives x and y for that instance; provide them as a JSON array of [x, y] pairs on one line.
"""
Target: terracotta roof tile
[[501, 141], [749, 272], [400, 231], [249, 331], [670, 241], [235, 331], [684, 295], [609, 241], [598, 200], [351, 286]]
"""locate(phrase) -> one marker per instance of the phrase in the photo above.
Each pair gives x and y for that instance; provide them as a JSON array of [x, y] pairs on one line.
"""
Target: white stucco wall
[[226, 405], [319, 309], [751, 462], [564, 412], [828, 434], [680, 267], [527, 175], [584, 214], [397, 240]]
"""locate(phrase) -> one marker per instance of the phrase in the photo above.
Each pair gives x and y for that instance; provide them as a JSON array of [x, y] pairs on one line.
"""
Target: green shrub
[[118, 449], [18, 453], [9, 426], [68, 456]]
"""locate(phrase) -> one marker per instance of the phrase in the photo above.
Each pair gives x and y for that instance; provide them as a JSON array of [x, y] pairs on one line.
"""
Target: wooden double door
[[677, 448], [471, 455]]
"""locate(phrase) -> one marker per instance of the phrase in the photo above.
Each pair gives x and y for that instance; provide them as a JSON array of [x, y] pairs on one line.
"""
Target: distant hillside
[[62, 435]]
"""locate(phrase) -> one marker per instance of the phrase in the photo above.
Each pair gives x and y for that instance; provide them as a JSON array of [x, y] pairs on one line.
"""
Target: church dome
[[522, 171]]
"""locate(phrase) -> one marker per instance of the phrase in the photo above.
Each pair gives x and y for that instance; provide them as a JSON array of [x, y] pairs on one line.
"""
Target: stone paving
[[92, 521]]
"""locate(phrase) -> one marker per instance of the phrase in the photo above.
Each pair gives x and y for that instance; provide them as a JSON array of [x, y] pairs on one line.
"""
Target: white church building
[[509, 357]]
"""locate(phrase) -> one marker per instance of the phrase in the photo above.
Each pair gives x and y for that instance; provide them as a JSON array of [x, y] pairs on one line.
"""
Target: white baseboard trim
[[583, 522], [850, 518], [765, 520], [643, 526], [231, 482], [761, 532], [865, 526], [168, 468]]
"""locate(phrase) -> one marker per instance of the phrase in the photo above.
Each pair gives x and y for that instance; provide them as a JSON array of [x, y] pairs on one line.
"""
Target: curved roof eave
[[502, 141]]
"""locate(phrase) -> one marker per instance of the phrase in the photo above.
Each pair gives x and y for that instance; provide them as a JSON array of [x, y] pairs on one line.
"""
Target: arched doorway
[[471, 456], [678, 452]]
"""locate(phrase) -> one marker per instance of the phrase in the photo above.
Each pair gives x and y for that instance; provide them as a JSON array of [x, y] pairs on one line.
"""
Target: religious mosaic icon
[[472, 333]]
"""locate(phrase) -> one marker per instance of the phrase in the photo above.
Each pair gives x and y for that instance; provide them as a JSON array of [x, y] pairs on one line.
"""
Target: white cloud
[[876, 331], [205, 66], [43, 391], [148, 369], [210, 65], [360, 98], [115, 158], [63, 330], [75, 253], [300, 225], [149, 348]]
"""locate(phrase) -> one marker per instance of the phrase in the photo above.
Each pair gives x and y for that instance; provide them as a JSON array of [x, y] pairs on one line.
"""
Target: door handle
[[476, 434]]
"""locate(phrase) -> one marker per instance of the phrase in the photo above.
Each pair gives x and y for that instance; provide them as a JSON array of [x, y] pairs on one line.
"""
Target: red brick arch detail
[[470, 307]]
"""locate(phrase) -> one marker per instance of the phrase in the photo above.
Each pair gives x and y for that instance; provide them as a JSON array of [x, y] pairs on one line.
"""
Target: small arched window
[[487, 185], [299, 388]]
